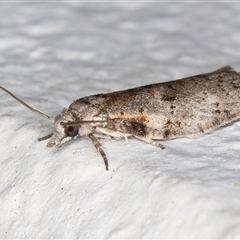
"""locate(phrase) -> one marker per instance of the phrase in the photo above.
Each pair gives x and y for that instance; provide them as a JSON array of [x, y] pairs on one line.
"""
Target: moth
[[189, 107]]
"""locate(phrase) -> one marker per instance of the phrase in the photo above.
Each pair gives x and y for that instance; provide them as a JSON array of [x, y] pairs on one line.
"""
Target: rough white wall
[[54, 53]]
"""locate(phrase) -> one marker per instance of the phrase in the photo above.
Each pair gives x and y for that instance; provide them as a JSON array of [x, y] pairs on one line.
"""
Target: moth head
[[66, 125], [62, 132]]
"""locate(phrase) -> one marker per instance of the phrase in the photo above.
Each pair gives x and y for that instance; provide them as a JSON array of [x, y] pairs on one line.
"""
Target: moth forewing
[[188, 107]]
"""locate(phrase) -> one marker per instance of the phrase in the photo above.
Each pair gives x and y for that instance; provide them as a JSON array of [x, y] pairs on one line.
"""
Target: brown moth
[[188, 107]]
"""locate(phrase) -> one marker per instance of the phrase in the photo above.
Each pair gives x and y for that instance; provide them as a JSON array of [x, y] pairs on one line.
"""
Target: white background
[[53, 53]]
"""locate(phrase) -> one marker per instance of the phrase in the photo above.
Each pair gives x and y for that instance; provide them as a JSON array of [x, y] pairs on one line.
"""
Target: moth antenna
[[26, 105], [75, 123]]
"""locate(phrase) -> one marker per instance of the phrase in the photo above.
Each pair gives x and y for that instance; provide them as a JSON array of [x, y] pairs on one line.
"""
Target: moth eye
[[71, 131]]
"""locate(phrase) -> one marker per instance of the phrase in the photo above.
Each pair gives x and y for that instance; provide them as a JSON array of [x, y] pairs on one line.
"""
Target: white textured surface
[[54, 53]]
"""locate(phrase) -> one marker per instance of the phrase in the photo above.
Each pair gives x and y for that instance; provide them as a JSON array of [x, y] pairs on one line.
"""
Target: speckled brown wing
[[187, 107]]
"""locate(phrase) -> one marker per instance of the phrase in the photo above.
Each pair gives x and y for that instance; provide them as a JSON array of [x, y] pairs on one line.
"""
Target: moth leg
[[45, 137], [113, 133], [125, 128], [152, 142], [98, 146]]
